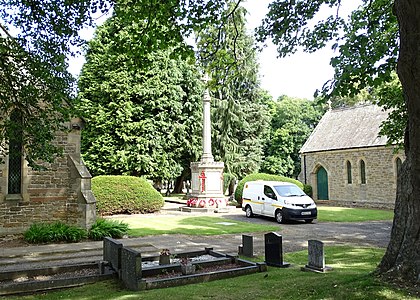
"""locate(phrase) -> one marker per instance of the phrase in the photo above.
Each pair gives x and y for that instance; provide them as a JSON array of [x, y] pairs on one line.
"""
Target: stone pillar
[[206, 174], [207, 156]]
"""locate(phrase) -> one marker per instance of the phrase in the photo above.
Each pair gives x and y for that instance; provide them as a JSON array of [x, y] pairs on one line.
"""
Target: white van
[[281, 200]]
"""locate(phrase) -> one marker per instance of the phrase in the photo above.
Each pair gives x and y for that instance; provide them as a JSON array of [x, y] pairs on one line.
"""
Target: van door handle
[[258, 197]]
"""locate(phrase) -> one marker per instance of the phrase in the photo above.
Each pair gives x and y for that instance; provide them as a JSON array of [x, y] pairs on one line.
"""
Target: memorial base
[[207, 185], [316, 269], [283, 265]]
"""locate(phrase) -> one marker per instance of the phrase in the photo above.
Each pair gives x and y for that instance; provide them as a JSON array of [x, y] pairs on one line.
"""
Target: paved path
[[295, 237]]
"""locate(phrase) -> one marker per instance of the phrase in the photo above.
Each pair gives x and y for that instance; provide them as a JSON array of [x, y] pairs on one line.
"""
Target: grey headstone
[[130, 268], [247, 245], [316, 254], [274, 250], [112, 253], [316, 257]]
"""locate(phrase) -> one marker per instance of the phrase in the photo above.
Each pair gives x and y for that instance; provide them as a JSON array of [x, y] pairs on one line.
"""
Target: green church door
[[322, 184]]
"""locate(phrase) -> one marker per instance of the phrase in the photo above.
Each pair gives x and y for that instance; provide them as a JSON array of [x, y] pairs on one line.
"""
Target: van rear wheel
[[279, 216], [248, 212]]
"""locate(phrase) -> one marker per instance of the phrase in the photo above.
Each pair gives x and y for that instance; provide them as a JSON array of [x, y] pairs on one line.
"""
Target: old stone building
[[60, 193], [346, 162]]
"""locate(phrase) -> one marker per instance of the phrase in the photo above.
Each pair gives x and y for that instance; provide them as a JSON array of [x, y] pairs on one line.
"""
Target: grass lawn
[[349, 279], [203, 225], [345, 214], [206, 225]]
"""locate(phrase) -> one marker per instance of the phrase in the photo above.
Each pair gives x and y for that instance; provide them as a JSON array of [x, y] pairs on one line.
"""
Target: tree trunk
[[402, 258], [168, 188], [179, 182]]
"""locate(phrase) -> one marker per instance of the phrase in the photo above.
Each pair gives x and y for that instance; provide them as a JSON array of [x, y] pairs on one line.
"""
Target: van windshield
[[289, 191]]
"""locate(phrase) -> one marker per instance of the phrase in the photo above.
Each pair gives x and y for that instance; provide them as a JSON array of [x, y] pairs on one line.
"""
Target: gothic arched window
[[349, 179], [362, 172], [15, 154]]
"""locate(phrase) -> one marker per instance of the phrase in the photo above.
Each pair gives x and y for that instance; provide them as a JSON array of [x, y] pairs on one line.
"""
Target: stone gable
[[360, 169], [60, 193]]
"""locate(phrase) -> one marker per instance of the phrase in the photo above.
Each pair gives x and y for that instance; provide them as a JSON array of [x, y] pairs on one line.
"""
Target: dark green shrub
[[125, 195], [261, 176], [55, 232], [107, 228], [307, 189], [227, 180]]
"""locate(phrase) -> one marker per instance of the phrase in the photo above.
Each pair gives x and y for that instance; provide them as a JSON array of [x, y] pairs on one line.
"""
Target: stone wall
[[59, 193], [380, 169]]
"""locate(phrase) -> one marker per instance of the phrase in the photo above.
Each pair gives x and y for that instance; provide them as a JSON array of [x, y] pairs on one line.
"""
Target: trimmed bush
[[307, 189], [107, 228], [55, 232], [261, 176], [125, 195]]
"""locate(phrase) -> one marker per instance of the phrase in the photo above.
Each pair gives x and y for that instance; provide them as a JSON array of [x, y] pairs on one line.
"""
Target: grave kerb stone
[[112, 253], [131, 268]]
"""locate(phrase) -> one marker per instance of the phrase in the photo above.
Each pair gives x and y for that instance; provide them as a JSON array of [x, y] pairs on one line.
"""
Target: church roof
[[347, 128]]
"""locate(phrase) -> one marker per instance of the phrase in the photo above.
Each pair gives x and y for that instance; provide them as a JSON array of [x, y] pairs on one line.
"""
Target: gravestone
[[274, 250], [130, 268], [316, 257], [247, 245], [112, 253]]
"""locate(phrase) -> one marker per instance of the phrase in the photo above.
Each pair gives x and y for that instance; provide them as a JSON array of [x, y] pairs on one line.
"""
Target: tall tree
[[35, 38], [142, 105], [239, 114], [378, 34], [292, 121]]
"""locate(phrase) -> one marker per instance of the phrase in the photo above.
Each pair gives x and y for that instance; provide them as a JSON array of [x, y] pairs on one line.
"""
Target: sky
[[298, 75]]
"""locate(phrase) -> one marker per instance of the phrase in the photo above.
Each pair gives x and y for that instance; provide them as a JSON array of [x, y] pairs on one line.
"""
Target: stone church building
[[346, 162], [60, 193]]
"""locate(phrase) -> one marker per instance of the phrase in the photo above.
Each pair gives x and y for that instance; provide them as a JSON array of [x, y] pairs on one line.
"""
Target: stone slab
[[112, 252], [131, 271]]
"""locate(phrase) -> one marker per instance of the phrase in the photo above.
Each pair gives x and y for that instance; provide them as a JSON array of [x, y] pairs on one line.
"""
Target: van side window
[[268, 191]]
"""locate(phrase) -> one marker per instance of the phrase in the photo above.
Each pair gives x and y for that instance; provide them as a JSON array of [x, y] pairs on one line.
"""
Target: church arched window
[[15, 154], [362, 172], [349, 177]]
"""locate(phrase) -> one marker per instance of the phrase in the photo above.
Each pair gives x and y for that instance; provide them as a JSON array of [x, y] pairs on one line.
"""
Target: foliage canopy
[[141, 107], [240, 116], [292, 121]]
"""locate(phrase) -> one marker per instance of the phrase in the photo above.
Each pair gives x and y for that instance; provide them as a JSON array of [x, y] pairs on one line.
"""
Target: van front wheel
[[279, 216], [248, 212]]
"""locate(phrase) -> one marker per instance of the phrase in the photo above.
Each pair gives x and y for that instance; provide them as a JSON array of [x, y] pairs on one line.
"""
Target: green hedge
[[261, 176], [307, 189], [125, 195]]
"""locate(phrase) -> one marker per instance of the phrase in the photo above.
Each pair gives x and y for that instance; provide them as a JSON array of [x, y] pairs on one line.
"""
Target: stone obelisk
[[206, 174]]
